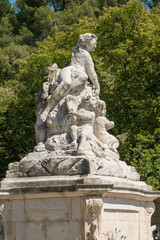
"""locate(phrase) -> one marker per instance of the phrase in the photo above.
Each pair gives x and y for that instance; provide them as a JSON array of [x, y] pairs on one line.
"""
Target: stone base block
[[76, 208]]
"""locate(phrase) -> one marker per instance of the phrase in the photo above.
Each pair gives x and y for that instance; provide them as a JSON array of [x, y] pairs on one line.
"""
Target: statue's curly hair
[[85, 38], [100, 107]]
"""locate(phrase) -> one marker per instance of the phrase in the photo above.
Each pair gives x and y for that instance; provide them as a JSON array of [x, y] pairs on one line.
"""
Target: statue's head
[[88, 41], [88, 102], [101, 108]]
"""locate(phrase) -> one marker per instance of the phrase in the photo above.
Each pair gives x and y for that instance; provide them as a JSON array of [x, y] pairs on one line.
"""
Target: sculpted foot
[[74, 145]]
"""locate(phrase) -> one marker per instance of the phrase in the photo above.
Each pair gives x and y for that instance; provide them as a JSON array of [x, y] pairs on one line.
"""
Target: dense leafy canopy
[[126, 60], [151, 3], [5, 8], [129, 49]]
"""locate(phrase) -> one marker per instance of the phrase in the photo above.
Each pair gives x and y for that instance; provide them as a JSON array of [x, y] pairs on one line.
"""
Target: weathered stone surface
[[71, 127], [15, 171], [43, 164], [67, 165], [71, 207], [89, 180]]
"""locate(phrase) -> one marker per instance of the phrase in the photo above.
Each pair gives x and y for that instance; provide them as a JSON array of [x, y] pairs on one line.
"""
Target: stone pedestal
[[76, 207]]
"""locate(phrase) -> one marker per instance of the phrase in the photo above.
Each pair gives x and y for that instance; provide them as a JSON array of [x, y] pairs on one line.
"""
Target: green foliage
[[5, 8], [144, 154], [151, 3], [128, 40], [43, 24], [6, 29], [10, 60], [15, 124], [69, 17], [61, 5], [12, 105], [129, 49], [25, 36], [21, 4]]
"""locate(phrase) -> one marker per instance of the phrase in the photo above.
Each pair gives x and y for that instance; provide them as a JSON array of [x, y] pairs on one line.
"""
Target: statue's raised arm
[[75, 76]]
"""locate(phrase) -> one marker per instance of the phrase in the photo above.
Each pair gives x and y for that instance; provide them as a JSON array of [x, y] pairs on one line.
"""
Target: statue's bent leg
[[77, 83], [73, 133], [58, 94], [84, 136], [82, 142]]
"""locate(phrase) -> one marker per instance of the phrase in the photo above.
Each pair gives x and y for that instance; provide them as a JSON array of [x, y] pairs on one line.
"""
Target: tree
[[70, 17], [43, 25], [5, 8], [129, 50], [6, 28], [38, 19], [10, 61], [151, 3], [20, 4], [60, 5], [126, 60], [25, 16]]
